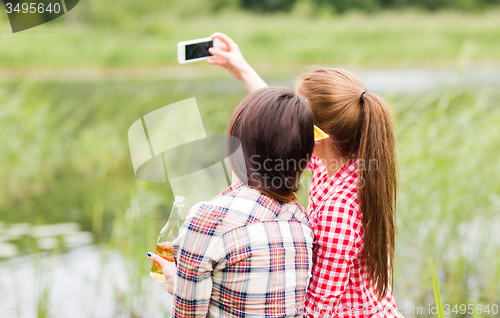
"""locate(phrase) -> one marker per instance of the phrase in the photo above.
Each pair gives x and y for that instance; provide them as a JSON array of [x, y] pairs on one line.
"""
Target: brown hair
[[275, 129], [361, 126]]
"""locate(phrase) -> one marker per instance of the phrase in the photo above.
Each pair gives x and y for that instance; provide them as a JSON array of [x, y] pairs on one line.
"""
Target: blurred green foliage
[[333, 6], [448, 196], [65, 148], [341, 6]]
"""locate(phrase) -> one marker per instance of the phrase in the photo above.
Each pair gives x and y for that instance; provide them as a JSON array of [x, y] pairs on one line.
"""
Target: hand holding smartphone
[[196, 50], [227, 55]]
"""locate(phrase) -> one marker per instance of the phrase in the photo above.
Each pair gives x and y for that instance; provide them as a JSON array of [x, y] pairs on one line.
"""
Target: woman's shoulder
[[203, 214], [238, 205], [220, 202], [294, 211]]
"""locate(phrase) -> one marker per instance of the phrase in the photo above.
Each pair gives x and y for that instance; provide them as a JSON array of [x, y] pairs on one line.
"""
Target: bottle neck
[[178, 205], [175, 213], [171, 230]]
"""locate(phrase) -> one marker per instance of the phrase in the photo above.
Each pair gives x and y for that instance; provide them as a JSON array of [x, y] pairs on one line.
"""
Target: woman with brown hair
[[353, 192], [248, 251]]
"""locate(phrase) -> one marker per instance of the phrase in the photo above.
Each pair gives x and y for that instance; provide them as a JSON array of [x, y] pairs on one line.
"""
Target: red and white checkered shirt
[[339, 285], [242, 254]]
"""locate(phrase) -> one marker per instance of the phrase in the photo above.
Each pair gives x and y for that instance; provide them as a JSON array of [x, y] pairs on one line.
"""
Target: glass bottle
[[166, 238]]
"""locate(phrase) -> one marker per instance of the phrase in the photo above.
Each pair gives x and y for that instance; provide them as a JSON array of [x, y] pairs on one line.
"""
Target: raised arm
[[229, 56]]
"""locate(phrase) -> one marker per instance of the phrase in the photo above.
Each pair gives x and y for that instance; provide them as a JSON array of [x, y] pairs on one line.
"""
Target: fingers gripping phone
[[196, 50]]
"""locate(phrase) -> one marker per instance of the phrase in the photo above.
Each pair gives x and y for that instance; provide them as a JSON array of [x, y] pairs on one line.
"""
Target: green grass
[[437, 292], [448, 198], [104, 34]]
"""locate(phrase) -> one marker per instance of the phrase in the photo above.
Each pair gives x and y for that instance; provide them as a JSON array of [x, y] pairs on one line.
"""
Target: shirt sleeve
[[195, 251], [337, 246]]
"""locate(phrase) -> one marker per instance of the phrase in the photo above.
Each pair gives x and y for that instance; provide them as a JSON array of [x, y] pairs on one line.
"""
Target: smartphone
[[196, 50]]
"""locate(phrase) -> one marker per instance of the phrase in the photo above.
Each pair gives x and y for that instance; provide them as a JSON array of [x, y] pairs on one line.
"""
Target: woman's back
[[339, 265], [243, 254]]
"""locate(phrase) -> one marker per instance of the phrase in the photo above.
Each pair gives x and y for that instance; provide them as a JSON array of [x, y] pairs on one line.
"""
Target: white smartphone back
[[196, 50]]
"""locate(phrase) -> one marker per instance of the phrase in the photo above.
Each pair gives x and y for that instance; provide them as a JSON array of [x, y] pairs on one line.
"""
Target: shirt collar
[[231, 188], [347, 170]]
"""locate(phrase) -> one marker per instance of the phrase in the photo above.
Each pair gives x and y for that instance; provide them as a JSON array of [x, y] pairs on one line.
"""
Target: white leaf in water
[[78, 239], [8, 250], [47, 243], [15, 231], [55, 229]]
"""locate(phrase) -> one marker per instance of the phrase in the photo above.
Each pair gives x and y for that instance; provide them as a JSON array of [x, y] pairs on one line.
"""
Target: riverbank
[[206, 78], [404, 39]]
